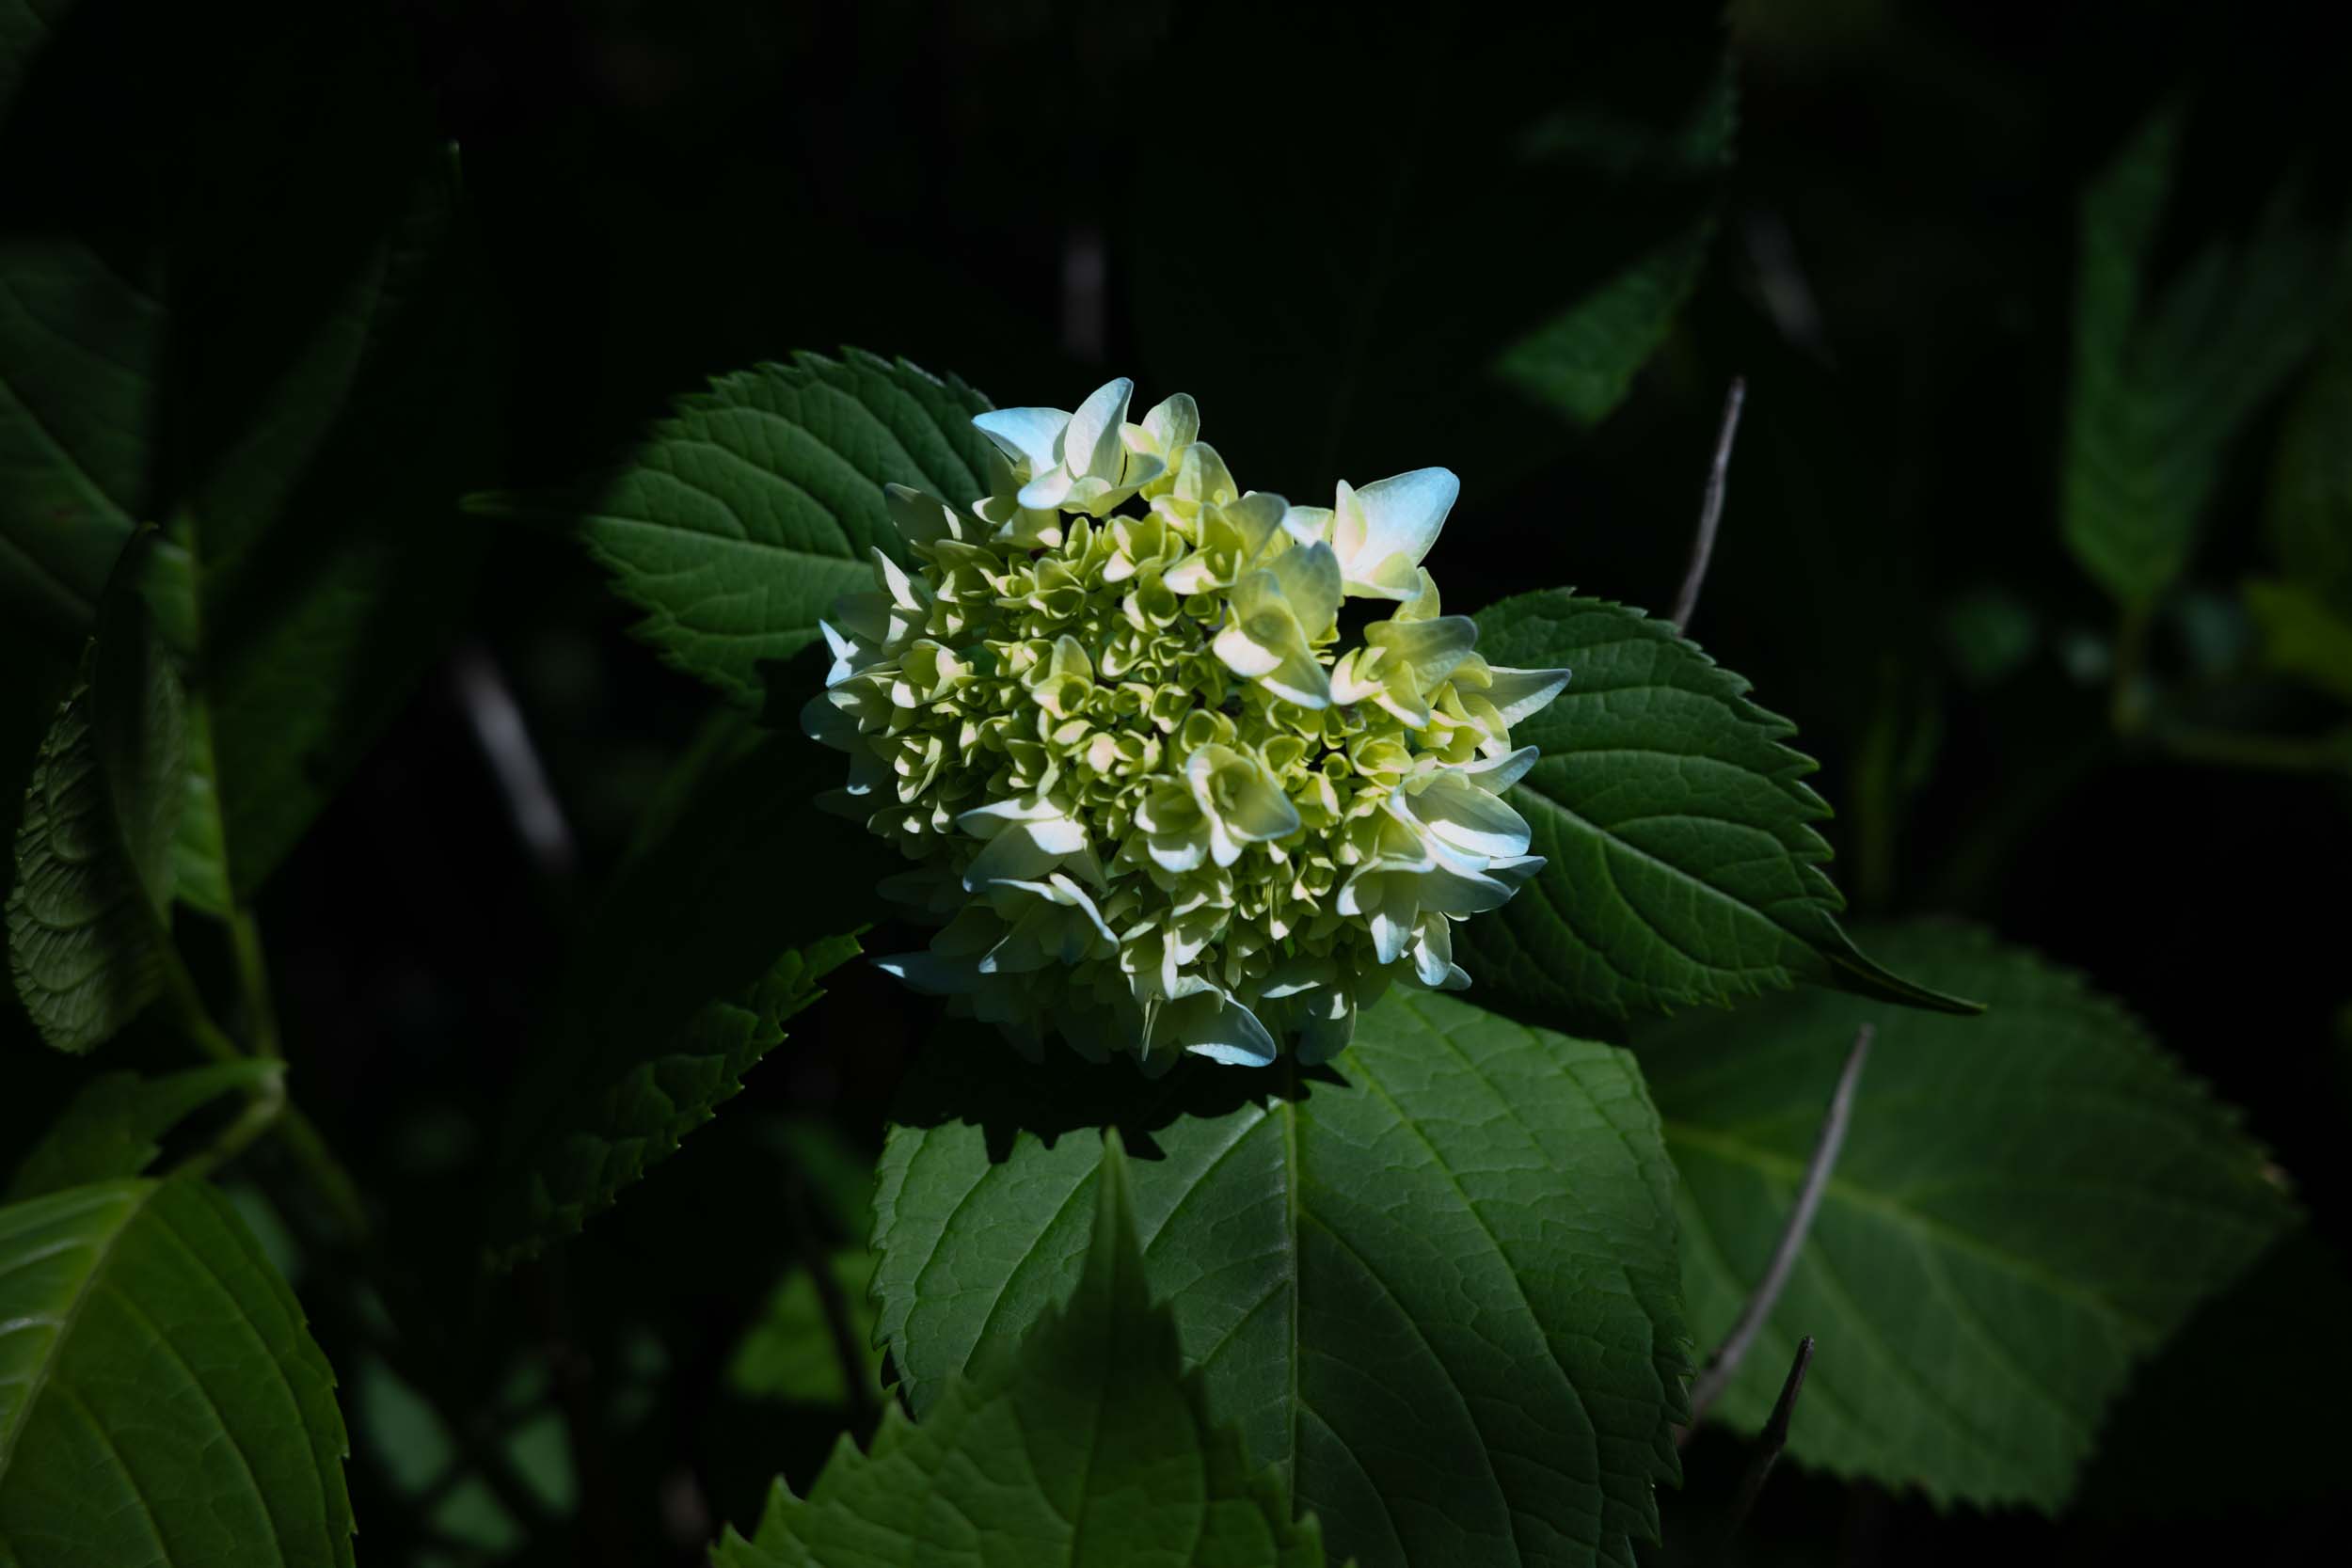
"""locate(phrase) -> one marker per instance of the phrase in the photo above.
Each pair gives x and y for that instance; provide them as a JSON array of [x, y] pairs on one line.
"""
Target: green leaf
[[289, 409], [2302, 635], [713, 935], [2164, 377], [2311, 484], [789, 1353], [1477, 270], [2175, 1444], [439, 1484], [332, 561], [114, 1125], [1682, 863], [25, 28], [1581, 362], [1086, 1445], [739, 519], [2027, 1205], [81, 347], [1435, 1284], [623, 1119], [160, 1401], [95, 846]]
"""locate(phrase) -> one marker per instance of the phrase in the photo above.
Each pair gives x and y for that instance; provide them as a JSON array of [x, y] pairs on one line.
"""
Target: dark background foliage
[[1326, 224]]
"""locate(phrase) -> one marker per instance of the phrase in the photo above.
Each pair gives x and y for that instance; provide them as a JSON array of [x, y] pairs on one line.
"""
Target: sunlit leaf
[[1086, 1445], [1435, 1287], [160, 1401], [1682, 862], [739, 520]]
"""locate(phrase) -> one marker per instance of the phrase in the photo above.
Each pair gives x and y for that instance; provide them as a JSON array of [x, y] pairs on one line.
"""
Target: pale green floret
[[1153, 804]]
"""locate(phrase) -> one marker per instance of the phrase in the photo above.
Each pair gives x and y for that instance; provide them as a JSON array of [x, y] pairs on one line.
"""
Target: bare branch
[[1773, 1438], [1712, 509], [1716, 1376]]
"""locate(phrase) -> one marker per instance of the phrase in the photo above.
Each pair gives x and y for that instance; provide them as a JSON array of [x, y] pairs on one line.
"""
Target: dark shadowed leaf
[[2310, 483], [115, 1125], [2303, 634], [1472, 268], [288, 408], [713, 935], [2166, 373], [622, 1116], [96, 847], [2027, 1205], [789, 1353]]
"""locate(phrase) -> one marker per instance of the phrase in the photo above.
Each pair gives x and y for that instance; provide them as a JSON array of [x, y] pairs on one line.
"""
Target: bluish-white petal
[[1403, 514], [1025, 434]]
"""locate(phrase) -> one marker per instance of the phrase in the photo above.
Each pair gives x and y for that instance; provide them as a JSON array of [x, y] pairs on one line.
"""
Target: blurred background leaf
[[2167, 371]]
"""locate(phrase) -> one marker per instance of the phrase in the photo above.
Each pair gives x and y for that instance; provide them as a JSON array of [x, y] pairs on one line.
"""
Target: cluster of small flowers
[[1155, 805]]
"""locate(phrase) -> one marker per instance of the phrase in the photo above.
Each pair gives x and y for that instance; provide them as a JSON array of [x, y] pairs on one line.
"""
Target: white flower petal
[[1497, 774], [1047, 491], [1468, 820], [1309, 525], [1091, 444], [1519, 694], [1216, 1026], [1403, 514], [1025, 434]]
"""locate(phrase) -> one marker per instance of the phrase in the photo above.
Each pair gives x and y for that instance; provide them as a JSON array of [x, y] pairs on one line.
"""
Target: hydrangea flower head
[[1153, 804]]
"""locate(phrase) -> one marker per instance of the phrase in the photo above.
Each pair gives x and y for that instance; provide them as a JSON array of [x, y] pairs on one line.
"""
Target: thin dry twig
[[1773, 1438], [1712, 509], [1717, 1374]]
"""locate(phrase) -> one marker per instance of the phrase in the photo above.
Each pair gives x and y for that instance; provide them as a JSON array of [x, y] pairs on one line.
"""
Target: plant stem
[[865, 1412], [253, 981], [301, 1135], [327, 1175], [2268, 753], [2127, 705], [260, 1112]]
